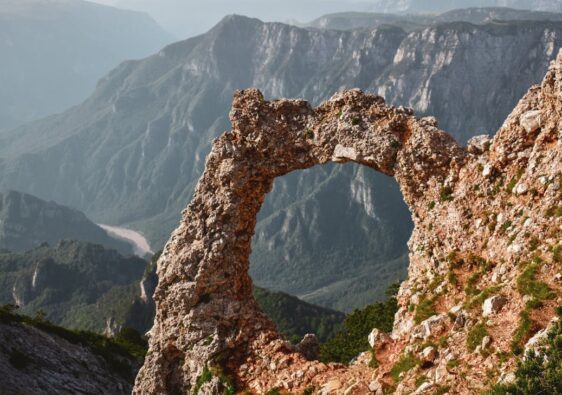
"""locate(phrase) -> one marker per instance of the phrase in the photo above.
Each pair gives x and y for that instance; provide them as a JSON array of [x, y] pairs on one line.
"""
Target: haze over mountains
[[26, 222], [186, 18], [53, 52], [410, 22], [132, 153]]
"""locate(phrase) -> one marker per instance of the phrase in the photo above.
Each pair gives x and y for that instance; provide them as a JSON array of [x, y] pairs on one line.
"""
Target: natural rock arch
[[206, 314]]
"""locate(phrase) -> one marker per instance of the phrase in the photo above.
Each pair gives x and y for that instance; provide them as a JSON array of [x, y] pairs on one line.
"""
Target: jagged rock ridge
[[486, 221]]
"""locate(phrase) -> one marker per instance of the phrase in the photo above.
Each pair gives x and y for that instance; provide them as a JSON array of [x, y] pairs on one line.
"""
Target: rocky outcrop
[[34, 361], [473, 225]]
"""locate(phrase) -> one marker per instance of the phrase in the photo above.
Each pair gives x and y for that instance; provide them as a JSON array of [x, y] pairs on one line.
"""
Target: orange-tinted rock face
[[487, 224]]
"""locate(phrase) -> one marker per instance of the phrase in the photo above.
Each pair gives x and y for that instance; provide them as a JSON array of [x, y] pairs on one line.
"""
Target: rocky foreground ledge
[[485, 253]]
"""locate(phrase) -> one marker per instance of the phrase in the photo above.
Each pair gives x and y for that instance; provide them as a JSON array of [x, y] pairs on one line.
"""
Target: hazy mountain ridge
[[409, 22], [26, 222], [429, 6], [137, 146], [53, 52]]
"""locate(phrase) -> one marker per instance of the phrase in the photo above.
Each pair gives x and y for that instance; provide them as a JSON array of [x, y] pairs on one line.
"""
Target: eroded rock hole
[[341, 246]]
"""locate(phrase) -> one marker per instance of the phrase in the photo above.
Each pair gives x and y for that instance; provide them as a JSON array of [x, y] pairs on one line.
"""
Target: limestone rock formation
[[487, 222], [34, 360]]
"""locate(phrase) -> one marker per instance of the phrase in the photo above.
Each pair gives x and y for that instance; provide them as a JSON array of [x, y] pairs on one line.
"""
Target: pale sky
[[185, 18]]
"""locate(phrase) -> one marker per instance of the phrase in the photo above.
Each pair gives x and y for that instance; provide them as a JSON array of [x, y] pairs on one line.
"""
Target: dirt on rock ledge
[[488, 222]]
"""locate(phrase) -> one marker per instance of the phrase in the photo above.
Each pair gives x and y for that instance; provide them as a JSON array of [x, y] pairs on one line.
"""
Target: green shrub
[[522, 332], [352, 339], [475, 336], [540, 372], [441, 390], [205, 377], [404, 364], [557, 253], [424, 310], [446, 194], [528, 285], [420, 380], [470, 288]]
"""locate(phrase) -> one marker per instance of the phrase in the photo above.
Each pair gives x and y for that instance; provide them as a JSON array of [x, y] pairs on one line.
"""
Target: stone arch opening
[[341, 245], [206, 314]]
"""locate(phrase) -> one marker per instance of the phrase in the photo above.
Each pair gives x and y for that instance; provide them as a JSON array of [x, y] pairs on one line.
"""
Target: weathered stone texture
[[464, 208]]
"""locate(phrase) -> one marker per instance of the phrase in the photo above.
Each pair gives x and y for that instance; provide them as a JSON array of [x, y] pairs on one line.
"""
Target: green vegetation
[[482, 296], [554, 211], [528, 285], [404, 364], [308, 390], [205, 377], [446, 194], [505, 226], [475, 336], [121, 353], [522, 332], [453, 363], [514, 180], [352, 339], [557, 254], [76, 284], [424, 310], [295, 318], [420, 380], [441, 390], [541, 371]]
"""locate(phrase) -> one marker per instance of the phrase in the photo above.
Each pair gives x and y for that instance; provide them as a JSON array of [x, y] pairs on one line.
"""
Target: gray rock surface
[[39, 363]]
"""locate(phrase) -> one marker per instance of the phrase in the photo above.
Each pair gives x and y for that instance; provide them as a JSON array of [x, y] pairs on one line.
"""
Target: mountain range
[[410, 22], [54, 51], [133, 151], [26, 222], [432, 6]]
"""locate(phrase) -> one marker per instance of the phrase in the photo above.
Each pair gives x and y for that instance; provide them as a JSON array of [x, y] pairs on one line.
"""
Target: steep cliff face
[[485, 251], [133, 152]]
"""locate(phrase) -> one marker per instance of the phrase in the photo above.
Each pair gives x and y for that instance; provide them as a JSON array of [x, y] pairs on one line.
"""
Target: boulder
[[428, 355], [309, 347], [377, 338], [479, 144], [493, 305], [531, 121]]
